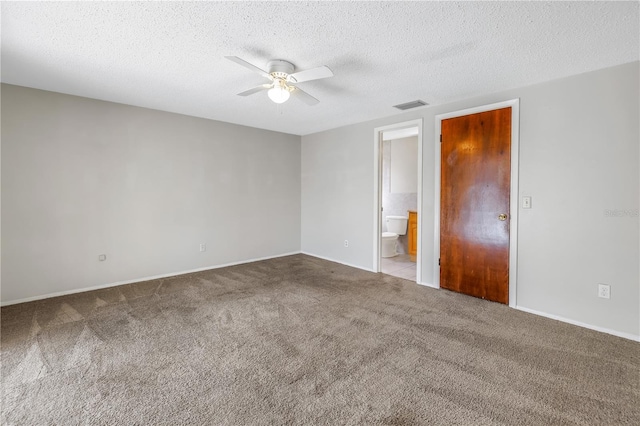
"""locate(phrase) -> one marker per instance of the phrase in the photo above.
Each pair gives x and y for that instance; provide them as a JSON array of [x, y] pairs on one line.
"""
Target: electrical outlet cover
[[604, 291]]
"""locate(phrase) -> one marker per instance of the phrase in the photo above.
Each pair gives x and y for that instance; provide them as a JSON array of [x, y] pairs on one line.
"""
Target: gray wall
[[82, 177], [337, 195], [579, 157]]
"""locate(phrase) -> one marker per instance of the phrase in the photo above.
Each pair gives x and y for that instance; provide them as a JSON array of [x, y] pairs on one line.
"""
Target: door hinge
[[438, 261], [440, 138]]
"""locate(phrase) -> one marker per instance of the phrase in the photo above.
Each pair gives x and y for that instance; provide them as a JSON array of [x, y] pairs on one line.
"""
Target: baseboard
[[629, 336], [337, 261], [430, 285], [154, 277]]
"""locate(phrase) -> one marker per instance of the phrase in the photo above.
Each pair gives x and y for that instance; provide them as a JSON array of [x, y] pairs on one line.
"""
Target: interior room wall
[[82, 177], [406, 169], [579, 161], [336, 168]]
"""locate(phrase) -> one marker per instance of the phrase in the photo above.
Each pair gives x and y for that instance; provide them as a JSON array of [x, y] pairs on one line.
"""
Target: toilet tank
[[397, 224]]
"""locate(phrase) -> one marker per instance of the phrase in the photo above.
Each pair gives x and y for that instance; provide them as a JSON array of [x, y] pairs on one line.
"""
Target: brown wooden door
[[474, 192]]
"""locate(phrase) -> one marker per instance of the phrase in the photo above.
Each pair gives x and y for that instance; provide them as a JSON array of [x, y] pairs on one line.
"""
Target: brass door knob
[[503, 216]]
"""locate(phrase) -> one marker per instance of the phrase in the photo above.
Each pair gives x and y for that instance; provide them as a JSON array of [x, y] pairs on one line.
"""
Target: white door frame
[[513, 198], [377, 191]]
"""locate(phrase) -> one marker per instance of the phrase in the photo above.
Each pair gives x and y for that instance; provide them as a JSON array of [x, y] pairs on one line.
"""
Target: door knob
[[503, 216]]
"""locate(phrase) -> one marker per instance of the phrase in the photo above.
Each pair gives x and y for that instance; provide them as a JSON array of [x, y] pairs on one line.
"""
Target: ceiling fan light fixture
[[280, 73], [279, 93]]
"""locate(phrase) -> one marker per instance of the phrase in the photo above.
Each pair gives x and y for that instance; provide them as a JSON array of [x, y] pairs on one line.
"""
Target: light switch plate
[[526, 202]]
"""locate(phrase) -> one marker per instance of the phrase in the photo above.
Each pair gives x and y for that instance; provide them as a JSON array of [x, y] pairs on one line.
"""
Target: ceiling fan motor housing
[[279, 68]]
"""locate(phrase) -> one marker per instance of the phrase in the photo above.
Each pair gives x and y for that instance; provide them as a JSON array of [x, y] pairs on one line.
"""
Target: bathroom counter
[[412, 232]]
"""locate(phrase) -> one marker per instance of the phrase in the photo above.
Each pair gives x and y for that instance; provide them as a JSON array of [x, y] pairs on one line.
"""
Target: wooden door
[[474, 204]]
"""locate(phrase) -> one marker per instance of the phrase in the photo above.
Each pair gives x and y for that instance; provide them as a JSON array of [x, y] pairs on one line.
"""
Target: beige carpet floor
[[299, 340]]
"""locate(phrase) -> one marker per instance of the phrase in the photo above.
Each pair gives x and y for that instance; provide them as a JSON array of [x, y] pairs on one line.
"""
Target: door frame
[[513, 196], [377, 190]]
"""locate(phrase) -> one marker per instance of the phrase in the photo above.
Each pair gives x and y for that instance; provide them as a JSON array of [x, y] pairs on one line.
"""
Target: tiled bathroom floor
[[399, 266]]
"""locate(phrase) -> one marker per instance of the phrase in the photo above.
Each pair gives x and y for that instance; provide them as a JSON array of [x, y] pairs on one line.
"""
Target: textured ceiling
[[170, 55]]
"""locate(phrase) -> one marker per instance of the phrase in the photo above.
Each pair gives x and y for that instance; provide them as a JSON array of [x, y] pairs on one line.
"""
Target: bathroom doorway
[[398, 190]]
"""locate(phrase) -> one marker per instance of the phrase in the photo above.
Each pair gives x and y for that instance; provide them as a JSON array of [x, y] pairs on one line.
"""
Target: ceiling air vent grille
[[412, 104]]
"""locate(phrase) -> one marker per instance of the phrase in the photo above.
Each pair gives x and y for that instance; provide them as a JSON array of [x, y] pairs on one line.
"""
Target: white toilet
[[396, 225]]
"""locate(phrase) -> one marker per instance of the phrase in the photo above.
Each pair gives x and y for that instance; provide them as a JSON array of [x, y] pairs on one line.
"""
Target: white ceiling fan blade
[[255, 90], [304, 96], [312, 74], [249, 66]]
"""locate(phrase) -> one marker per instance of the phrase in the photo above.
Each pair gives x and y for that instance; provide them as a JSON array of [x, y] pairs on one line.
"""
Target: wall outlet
[[102, 257], [346, 243], [203, 247], [604, 291]]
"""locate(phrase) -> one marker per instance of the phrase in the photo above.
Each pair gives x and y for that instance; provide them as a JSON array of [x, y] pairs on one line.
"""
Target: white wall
[[82, 177], [579, 156], [403, 167], [337, 179]]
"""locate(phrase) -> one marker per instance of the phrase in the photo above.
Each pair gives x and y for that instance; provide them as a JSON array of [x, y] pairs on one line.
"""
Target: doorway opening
[[398, 200]]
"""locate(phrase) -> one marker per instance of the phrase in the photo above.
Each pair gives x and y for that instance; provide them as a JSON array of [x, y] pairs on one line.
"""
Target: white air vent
[[412, 104]]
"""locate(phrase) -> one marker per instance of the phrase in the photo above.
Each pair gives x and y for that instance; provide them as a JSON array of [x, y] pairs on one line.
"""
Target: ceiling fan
[[282, 78]]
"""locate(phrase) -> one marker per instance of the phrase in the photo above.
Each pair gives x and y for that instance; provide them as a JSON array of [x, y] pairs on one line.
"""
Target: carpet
[[300, 340]]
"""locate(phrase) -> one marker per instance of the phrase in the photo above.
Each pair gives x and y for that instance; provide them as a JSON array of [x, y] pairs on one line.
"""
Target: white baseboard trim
[[430, 285], [337, 261], [624, 335], [629, 336], [154, 277]]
